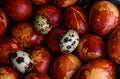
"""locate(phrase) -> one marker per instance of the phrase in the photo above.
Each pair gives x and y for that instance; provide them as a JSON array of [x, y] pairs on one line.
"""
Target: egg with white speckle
[[69, 41], [22, 61]]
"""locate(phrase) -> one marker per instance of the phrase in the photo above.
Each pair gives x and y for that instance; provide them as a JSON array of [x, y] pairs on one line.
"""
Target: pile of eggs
[[59, 39]]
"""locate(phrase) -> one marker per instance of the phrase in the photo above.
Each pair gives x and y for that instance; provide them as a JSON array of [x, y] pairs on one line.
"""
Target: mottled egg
[[69, 41], [41, 24], [22, 61]]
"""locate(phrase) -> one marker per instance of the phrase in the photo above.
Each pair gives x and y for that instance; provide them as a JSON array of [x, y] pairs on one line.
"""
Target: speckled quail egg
[[69, 41], [41, 24], [22, 61]]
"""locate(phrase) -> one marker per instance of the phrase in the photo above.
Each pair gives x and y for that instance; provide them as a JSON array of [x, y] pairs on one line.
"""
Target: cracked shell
[[41, 24], [22, 61], [69, 41]]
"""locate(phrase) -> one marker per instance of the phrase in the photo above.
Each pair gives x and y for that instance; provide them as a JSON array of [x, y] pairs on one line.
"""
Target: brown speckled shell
[[103, 17]]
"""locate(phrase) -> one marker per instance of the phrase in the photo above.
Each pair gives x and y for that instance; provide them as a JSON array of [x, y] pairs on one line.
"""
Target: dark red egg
[[26, 35], [40, 2], [97, 69], [113, 45], [34, 75], [91, 47], [7, 73], [75, 18], [18, 10], [8, 45], [3, 22], [65, 67], [52, 13], [41, 57], [52, 40], [103, 17], [64, 3]]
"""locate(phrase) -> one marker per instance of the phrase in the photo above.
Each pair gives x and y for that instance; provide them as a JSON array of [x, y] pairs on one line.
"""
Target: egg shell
[[34, 75], [91, 47], [7, 72], [52, 13], [41, 24], [113, 45], [40, 2], [3, 22], [97, 69], [22, 61], [64, 3], [75, 18], [65, 67], [18, 10], [103, 17], [8, 45], [52, 40], [25, 34], [69, 41], [41, 58]]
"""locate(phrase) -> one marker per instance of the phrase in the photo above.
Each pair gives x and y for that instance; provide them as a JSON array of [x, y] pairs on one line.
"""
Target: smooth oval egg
[[97, 69], [103, 17], [69, 41], [22, 61]]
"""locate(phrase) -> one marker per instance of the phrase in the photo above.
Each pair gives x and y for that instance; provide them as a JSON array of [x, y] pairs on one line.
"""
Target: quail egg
[[69, 41]]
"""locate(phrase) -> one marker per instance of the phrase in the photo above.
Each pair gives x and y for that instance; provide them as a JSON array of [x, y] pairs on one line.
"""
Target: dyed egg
[[69, 41], [97, 69], [91, 47], [41, 57], [103, 17], [113, 45], [7, 73], [65, 67], [22, 61], [52, 40], [34, 75], [26, 35], [46, 17]]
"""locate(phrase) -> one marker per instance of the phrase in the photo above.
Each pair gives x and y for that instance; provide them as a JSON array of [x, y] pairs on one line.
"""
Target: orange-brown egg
[[103, 17], [97, 69]]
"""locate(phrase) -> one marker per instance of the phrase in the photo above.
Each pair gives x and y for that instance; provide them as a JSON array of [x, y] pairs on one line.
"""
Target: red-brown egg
[[97, 69], [46, 17], [65, 67], [91, 47], [8, 45], [113, 45], [103, 17], [26, 35], [75, 18], [7, 73], [3, 22], [41, 57], [34, 75], [18, 10], [40, 2], [64, 3], [52, 40]]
